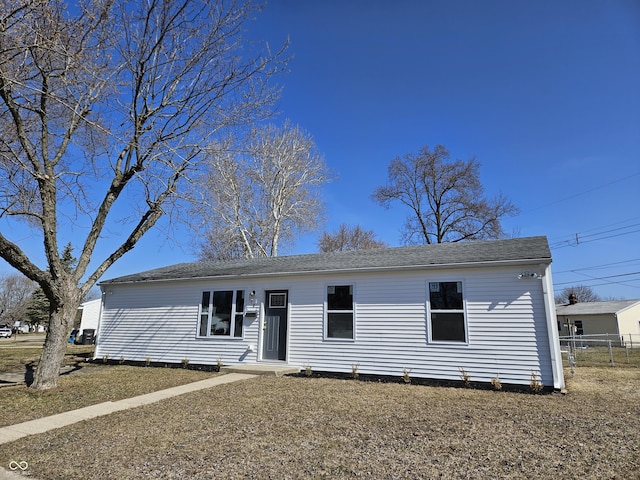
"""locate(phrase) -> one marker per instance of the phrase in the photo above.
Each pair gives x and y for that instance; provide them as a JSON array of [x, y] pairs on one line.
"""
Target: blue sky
[[545, 94]]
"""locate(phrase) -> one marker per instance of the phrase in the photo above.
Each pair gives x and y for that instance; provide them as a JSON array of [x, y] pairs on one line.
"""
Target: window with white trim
[[340, 314], [278, 300], [446, 310], [221, 313]]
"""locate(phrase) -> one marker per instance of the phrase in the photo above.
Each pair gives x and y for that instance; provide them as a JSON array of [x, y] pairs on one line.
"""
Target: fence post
[[626, 350], [610, 353], [631, 340]]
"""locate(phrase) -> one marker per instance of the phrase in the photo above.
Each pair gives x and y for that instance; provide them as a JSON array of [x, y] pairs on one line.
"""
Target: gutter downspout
[[552, 329]]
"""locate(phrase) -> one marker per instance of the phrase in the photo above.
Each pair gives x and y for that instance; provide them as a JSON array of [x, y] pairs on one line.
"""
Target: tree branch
[[146, 222], [18, 260]]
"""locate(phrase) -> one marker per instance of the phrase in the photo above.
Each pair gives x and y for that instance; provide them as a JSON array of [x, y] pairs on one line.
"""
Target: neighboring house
[[485, 307], [21, 326], [620, 318], [90, 318]]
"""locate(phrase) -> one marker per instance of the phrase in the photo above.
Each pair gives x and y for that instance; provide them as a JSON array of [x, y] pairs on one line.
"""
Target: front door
[[274, 335]]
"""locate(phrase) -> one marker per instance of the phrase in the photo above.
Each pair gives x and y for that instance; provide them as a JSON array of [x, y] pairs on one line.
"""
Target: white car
[[5, 332]]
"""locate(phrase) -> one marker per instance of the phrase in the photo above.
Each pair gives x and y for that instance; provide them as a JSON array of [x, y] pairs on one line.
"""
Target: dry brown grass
[[15, 356], [87, 384], [599, 356], [90, 385], [326, 428]]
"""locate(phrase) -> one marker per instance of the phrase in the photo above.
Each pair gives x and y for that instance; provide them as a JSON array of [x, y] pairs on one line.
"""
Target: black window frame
[[447, 313], [336, 313]]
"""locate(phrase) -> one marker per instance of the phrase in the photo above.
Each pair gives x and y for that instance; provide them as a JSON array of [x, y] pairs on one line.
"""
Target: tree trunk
[[55, 345]]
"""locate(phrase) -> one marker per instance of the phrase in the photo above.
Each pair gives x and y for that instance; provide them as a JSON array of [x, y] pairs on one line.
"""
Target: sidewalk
[[41, 425]]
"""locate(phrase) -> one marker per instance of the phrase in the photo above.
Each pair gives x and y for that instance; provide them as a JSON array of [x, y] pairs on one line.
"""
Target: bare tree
[[262, 195], [104, 106], [349, 238], [583, 293], [15, 290], [446, 198]]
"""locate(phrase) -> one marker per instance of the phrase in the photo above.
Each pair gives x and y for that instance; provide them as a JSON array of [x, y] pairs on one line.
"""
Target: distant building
[[618, 317], [89, 320]]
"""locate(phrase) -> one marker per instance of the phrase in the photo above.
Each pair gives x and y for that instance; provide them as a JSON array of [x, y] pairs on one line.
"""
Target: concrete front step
[[274, 370]]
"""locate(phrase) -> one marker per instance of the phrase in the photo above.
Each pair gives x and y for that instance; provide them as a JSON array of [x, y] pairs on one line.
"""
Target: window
[[447, 312], [579, 328], [217, 309], [277, 300], [340, 311], [239, 315]]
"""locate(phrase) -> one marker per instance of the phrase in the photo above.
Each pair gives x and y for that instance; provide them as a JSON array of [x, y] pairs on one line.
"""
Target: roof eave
[[627, 307]]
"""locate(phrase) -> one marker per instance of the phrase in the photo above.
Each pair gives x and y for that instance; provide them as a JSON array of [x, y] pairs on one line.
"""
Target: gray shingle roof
[[443, 254], [594, 308]]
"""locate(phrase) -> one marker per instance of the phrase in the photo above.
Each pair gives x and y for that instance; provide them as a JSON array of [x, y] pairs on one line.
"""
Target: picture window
[[221, 313]]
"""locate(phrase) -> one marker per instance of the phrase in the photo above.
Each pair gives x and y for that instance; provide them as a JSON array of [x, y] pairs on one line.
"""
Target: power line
[[598, 267], [608, 231], [603, 278], [578, 241], [632, 219], [610, 283], [575, 238], [593, 279], [627, 282], [578, 238], [555, 202], [627, 220]]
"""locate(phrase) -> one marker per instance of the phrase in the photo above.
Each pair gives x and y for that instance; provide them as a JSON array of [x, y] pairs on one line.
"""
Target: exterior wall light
[[527, 274]]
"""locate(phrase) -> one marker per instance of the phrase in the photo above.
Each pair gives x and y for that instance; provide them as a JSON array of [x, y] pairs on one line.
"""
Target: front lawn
[[296, 427]]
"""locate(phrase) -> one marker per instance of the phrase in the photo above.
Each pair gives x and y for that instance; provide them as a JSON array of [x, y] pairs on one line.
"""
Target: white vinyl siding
[[506, 324], [160, 322]]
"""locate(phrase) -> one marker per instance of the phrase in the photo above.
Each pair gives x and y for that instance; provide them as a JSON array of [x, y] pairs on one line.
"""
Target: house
[[90, 316], [485, 307], [619, 319]]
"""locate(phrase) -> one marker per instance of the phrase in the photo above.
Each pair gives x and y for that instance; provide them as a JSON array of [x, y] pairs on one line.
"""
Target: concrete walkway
[[41, 425]]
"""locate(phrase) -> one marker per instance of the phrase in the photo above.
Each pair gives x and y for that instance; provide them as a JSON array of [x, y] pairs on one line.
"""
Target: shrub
[[536, 384], [466, 378]]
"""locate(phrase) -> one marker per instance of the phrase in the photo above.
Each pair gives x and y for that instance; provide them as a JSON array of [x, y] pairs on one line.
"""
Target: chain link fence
[[599, 350]]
